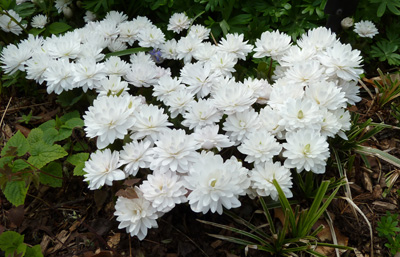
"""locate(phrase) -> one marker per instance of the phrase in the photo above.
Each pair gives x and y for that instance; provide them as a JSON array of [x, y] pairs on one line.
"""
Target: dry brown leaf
[[216, 243], [131, 182], [367, 182], [24, 130], [326, 235], [114, 240], [61, 238], [385, 205], [127, 193]]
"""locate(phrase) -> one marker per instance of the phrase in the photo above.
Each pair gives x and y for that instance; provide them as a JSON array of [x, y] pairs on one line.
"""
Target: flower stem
[[14, 20]]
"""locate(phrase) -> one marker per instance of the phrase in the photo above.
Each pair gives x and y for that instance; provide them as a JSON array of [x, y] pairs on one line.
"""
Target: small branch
[[5, 111]]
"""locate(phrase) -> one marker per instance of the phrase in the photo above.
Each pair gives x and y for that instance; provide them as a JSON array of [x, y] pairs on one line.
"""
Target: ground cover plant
[[213, 107]]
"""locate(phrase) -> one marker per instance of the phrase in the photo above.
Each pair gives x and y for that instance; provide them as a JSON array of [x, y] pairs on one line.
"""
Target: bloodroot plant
[[279, 126]]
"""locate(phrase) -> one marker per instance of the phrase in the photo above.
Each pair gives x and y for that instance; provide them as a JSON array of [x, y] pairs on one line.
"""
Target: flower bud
[[67, 12], [347, 22]]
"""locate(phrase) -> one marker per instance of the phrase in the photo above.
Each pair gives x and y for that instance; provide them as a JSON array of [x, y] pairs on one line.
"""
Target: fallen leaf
[[127, 193], [24, 130], [367, 182], [385, 205], [131, 182], [113, 240]]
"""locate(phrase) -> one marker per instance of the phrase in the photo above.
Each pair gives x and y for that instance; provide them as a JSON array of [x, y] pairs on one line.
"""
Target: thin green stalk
[[14, 20]]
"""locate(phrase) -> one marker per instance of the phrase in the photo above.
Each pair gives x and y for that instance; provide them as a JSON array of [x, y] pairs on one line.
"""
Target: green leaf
[[224, 26], [18, 141], [58, 27], [15, 192], [35, 136], [393, 8], [240, 19], [78, 160], [73, 123], [42, 153], [69, 115], [19, 165], [36, 31], [25, 9], [12, 243], [51, 175], [34, 251], [128, 51], [378, 153], [7, 4], [381, 9], [52, 135]]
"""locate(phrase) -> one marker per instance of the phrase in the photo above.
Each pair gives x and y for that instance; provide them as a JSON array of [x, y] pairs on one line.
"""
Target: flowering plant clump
[[279, 126]]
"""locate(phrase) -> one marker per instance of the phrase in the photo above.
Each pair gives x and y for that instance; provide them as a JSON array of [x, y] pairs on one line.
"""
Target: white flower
[[351, 91], [39, 21], [365, 29], [135, 155], [143, 75], [150, 121], [317, 39], [262, 177], [199, 77], [116, 66], [14, 57], [178, 22], [116, 45], [61, 4], [269, 120], [89, 16], [108, 29], [341, 61], [109, 118], [306, 150], [326, 94], [273, 44], [9, 25], [151, 37], [204, 52], [136, 215], [223, 63], [115, 16], [66, 46], [300, 113], [164, 190], [259, 146], [59, 76], [305, 73], [295, 55], [200, 114], [330, 125], [178, 101], [282, 91], [186, 46], [102, 168], [215, 184], [199, 31], [344, 120], [209, 138], [168, 49], [347, 22], [235, 44], [36, 66], [174, 151], [165, 86], [231, 97], [239, 124], [88, 73]]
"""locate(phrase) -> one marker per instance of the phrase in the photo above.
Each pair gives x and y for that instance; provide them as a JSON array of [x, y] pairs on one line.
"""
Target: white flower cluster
[[278, 127]]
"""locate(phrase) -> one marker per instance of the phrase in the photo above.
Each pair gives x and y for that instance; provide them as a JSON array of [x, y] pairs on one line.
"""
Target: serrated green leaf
[[18, 141], [10, 240], [35, 136], [42, 153], [51, 175], [52, 135], [34, 251], [5, 160], [19, 165], [47, 125], [58, 27], [78, 160], [15, 192]]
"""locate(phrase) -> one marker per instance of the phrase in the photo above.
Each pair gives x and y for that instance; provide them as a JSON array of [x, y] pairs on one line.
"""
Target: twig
[[215, 41], [23, 107], [5, 111]]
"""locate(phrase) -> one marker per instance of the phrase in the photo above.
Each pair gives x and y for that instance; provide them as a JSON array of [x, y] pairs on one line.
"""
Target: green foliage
[[297, 233], [12, 243], [389, 89], [388, 227], [37, 159], [391, 5], [386, 51]]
